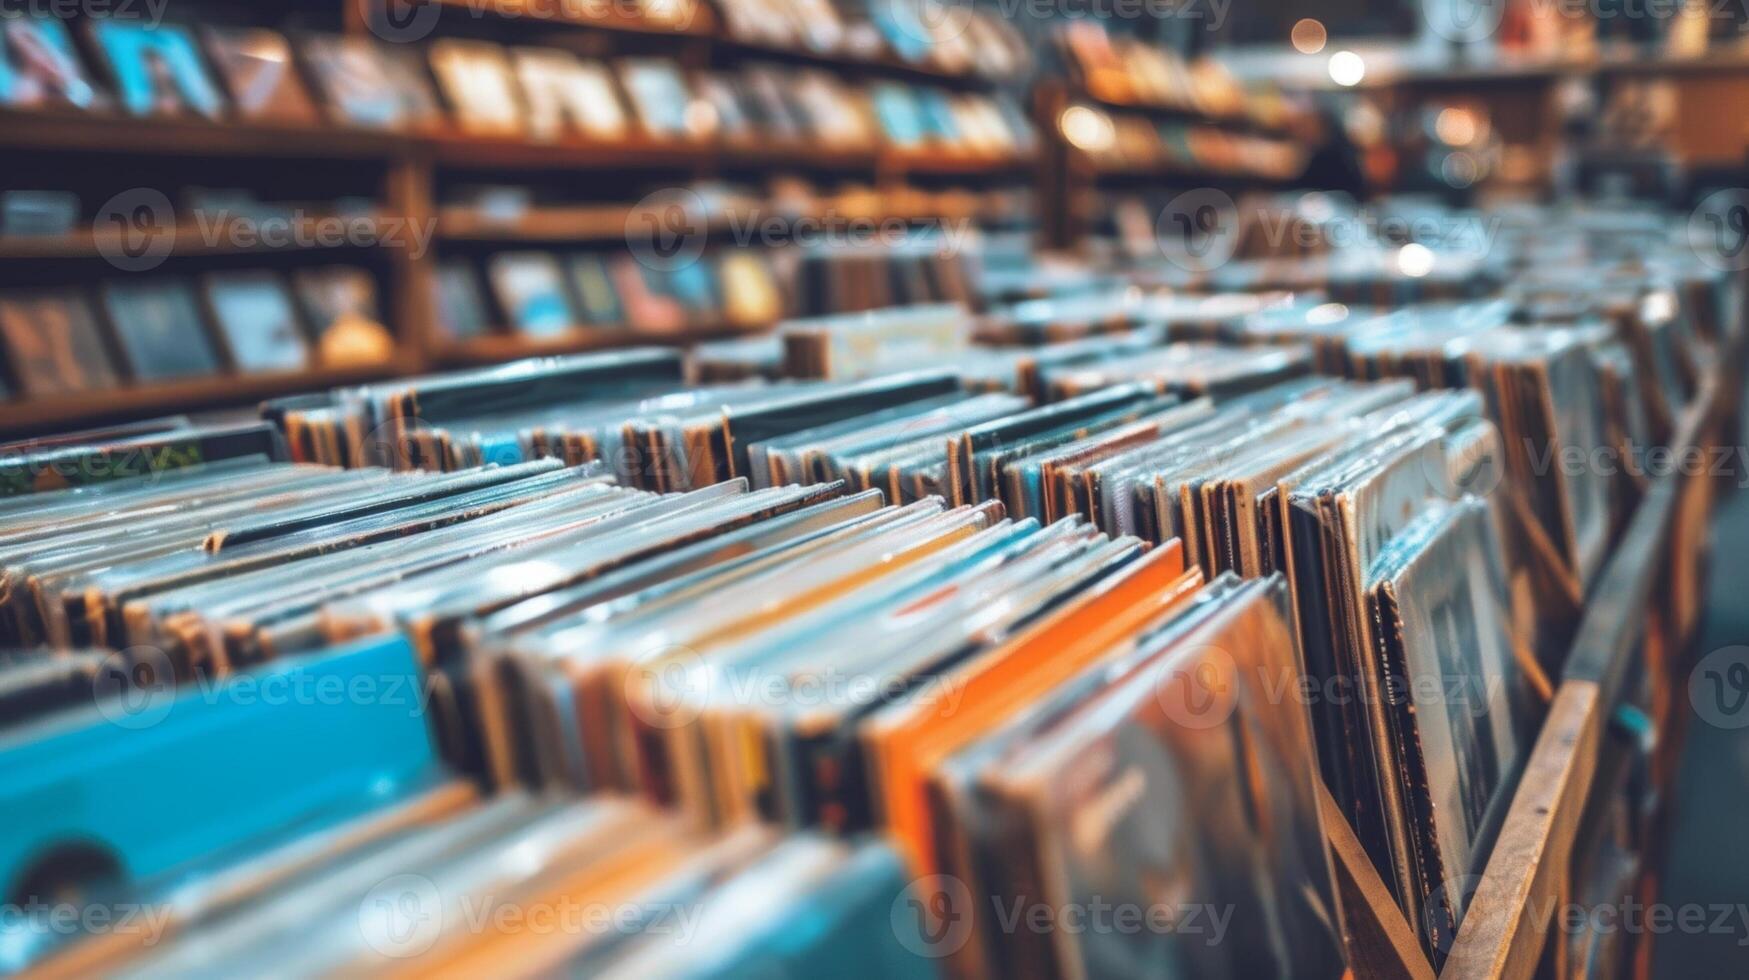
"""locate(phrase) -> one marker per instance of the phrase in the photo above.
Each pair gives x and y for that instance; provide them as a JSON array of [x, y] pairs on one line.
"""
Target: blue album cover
[[160, 329], [900, 115], [158, 70], [39, 66], [255, 314]]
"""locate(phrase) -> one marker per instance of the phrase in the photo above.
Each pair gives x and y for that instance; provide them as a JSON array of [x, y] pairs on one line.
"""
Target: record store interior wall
[[873, 488]]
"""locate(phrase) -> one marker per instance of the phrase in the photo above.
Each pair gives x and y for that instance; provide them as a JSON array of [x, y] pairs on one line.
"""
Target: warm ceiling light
[[1456, 127], [1415, 260], [1086, 129], [1308, 36], [1346, 69]]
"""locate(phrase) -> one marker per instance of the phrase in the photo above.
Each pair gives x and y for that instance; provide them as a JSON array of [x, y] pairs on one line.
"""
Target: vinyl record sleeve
[[566, 94], [260, 75], [160, 327], [476, 80], [255, 317], [353, 78], [660, 96], [531, 289], [40, 67], [157, 69], [53, 345], [1200, 737], [460, 307]]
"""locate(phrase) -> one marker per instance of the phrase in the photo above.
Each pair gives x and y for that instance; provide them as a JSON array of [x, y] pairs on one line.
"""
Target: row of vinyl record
[[159, 70], [164, 328], [1039, 615], [586, 636], [1118, 140], [1121, 70], [491, 97], [969, 41], [549, 295], [1095, 632]]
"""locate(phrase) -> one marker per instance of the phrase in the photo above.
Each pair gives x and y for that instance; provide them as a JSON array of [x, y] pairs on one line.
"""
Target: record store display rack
[[401, 187], [1235, 629], [612, 565]]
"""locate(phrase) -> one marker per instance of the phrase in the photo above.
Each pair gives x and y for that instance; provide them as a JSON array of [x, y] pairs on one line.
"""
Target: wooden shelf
[[192, 239], [934, 162], [119, 135], [73, 411], [701, 24], [1179, 174], [506, 346], [462, 150], [1538, 72], [1190, 114], [607, 222], [883, 63], [1526, 878]]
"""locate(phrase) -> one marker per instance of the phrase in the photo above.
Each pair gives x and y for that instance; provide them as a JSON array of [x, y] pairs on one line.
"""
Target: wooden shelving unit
[[1070, 179], [1641, 613], [407, 171], [172, 397], [493, 348]]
